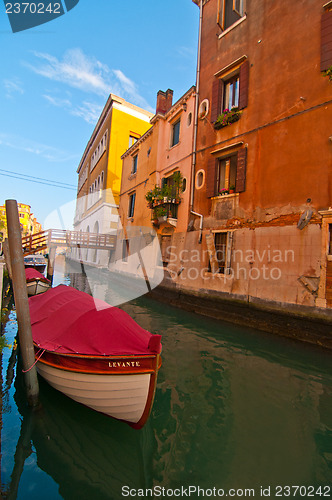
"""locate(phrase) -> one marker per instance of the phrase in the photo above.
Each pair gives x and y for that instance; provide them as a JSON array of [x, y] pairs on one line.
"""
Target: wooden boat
[[36, 282], [35, 261], [95, 354]]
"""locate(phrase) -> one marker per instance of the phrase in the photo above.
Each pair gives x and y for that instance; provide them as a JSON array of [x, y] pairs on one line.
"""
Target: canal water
[[235, 410]]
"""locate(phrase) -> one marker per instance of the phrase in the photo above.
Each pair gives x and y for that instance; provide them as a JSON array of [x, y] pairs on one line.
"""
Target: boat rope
[[37, 359]]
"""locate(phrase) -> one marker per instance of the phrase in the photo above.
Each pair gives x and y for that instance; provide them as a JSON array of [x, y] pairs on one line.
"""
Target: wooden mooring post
[[51, 263], [21, 302], [2, 264]]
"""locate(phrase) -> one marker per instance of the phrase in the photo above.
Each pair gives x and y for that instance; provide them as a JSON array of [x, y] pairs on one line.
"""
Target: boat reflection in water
[[87, 454]]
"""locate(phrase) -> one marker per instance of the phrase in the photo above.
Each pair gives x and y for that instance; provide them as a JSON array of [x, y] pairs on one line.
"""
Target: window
[[220, 241], [175, 133], [230, 11], [203, 109], [134, 165], [231, 90], [132, 140], [99, 151], [231, 93], [199, 179], [219, 248], [125, 250], [131, 207], [226, 172]]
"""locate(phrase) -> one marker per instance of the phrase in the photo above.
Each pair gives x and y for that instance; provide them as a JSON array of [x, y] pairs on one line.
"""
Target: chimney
[[164, 101]]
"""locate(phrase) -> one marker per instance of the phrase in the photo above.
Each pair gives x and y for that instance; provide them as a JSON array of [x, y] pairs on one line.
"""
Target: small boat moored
[[95, 354], [35, 261], [36, 282]]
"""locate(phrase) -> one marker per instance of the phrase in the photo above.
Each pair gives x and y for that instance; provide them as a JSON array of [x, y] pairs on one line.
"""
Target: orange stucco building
[[160, 163], [263, 156]]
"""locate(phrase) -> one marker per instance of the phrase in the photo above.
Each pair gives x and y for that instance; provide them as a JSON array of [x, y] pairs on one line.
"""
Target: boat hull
[[37, 286], [120, 387], [38, 267]]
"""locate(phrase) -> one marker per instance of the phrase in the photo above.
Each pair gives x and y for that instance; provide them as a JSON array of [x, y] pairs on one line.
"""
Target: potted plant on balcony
[[227, 117], [161, 214], [154, 197], [328, 73], [149, 198], [167, 193], [231, 189], [223, 191]]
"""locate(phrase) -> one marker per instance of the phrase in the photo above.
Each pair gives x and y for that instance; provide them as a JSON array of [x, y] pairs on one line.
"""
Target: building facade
[[263, 169], [156, 179], [100, 171], [28, 222]]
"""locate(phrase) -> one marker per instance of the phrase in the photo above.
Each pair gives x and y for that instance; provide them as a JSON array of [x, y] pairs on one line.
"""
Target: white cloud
[[43, 150], [130, 89], [88, 74], [13, 86], [58, 102], [89, 111], [75, 69]]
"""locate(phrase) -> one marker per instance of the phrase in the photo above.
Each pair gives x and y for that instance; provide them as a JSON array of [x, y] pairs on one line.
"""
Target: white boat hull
[[36, 287], [122, 396]]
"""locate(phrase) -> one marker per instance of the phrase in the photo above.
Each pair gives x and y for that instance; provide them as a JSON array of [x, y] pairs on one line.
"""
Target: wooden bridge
[[38, 242]]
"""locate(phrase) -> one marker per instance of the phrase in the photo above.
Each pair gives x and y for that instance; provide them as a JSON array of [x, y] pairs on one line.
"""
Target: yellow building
[[28, 222], [99, 172]]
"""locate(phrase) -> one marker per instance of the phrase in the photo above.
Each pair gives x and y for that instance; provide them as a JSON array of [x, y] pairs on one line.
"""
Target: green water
[[234, 409]]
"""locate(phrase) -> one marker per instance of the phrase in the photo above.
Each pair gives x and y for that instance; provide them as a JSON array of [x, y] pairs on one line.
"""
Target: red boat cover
[[65, 320], [32, 274]]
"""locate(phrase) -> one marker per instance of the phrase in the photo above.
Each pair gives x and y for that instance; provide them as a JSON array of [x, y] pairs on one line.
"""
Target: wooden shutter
[[216, 101], [211, 177], [244, 84], [212, 253], [326, 41], [241, 170]]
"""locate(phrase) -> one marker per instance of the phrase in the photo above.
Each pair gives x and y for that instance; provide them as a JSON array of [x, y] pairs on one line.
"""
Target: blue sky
[[55, 80]]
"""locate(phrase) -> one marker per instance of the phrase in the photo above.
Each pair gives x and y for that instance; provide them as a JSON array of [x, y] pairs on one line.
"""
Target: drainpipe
[[200, 225], [196, 125]]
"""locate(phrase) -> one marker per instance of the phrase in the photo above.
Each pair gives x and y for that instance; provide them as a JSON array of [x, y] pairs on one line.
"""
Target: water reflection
[[235, 408], [87, 454]]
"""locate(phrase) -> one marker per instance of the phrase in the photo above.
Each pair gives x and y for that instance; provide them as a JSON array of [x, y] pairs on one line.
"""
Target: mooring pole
[[1, 282], [51, 262], [21, 302], [5, 249]]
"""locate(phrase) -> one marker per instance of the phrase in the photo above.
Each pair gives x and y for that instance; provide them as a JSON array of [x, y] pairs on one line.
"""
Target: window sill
[[208, 274], [171, 147], [222, 196], [132, 176], [240, 21]]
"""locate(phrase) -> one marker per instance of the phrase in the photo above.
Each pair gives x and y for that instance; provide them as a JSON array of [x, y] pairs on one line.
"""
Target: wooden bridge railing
[[38, 242]]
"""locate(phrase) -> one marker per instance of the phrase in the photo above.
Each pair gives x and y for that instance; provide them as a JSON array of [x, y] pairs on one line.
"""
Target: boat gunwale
[[107, 370]]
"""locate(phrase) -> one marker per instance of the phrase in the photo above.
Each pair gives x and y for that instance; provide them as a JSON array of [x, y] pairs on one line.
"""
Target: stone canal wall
[[308, 324]]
